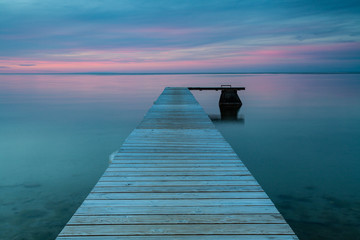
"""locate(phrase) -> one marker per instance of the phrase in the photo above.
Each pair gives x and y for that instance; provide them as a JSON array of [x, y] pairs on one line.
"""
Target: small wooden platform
[[216, 88], [175, 177]]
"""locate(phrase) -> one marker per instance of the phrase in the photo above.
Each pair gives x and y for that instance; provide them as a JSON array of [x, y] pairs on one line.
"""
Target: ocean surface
[[299, 134]]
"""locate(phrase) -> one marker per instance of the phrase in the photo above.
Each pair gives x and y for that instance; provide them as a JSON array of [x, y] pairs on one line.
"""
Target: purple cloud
[[27, 65], [184, 30]]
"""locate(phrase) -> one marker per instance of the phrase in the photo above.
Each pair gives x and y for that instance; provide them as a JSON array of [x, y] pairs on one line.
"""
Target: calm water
[[298, 134]]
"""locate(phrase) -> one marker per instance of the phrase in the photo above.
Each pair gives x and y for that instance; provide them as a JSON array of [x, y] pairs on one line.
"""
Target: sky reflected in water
[[299, 136]]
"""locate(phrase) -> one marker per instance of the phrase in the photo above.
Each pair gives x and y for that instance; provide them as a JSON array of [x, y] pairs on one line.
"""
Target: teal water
[[299, 136]]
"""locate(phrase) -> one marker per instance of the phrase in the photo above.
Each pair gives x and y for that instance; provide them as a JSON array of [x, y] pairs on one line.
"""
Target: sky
[[177, 36]]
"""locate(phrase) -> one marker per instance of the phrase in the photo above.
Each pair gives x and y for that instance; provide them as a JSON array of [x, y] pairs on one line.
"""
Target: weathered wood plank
[[173, 162], [198, 173], [176, 157], [179, 169], [197, 195], [114, 187], [177, 229], [233, 209], [176, 219], [175, 165], [185, 237], [177, 202], [183, 183], [123, 177]]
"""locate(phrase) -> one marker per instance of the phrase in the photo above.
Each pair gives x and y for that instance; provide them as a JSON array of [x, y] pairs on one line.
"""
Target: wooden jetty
[[176, 177]]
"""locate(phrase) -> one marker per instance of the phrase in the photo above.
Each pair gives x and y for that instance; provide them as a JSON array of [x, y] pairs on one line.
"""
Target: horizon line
[[169, 73]]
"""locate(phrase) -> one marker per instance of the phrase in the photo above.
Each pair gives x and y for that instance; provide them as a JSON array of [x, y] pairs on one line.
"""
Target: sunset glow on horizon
[[179, 36]]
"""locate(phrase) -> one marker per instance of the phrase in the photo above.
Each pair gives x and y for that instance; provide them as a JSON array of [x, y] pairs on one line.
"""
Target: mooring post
[[229, 102]]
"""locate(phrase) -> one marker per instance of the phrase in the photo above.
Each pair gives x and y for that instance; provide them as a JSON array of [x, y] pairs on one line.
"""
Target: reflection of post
[[229, 104]]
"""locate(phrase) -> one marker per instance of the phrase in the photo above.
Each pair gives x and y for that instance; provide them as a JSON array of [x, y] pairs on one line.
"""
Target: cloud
[[315, 57], [26, 65], [139, 30]]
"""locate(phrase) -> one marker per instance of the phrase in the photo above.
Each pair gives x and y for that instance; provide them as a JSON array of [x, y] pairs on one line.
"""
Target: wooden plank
[[181, 183], [197, 195], [177, 219], [114, 187], [178, 202], [174, 165], [168, 210], [179, 169], [184, 237], [177, 229], [217, 88], [174, 161], [176, 157], [192, 173], [121, 177], [176, 177]]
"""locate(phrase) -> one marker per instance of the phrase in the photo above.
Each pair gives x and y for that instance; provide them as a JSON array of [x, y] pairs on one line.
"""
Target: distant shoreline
[[195, 73]]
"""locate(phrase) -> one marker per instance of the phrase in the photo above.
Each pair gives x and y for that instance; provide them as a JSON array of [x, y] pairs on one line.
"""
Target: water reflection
[[228, 113], [300, 141], [218, 118]]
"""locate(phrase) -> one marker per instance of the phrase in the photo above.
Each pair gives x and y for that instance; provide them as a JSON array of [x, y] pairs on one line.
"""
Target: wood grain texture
[[184, 237], [176, 177]]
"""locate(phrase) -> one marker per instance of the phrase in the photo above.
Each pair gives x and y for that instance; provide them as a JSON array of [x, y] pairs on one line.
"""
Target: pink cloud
[[192, 59], [68, 66]]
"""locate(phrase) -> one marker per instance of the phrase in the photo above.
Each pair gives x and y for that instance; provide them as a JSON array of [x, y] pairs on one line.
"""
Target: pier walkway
[[176, 177]]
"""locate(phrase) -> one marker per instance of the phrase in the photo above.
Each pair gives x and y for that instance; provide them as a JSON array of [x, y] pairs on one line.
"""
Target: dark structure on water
[[229, 102]]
